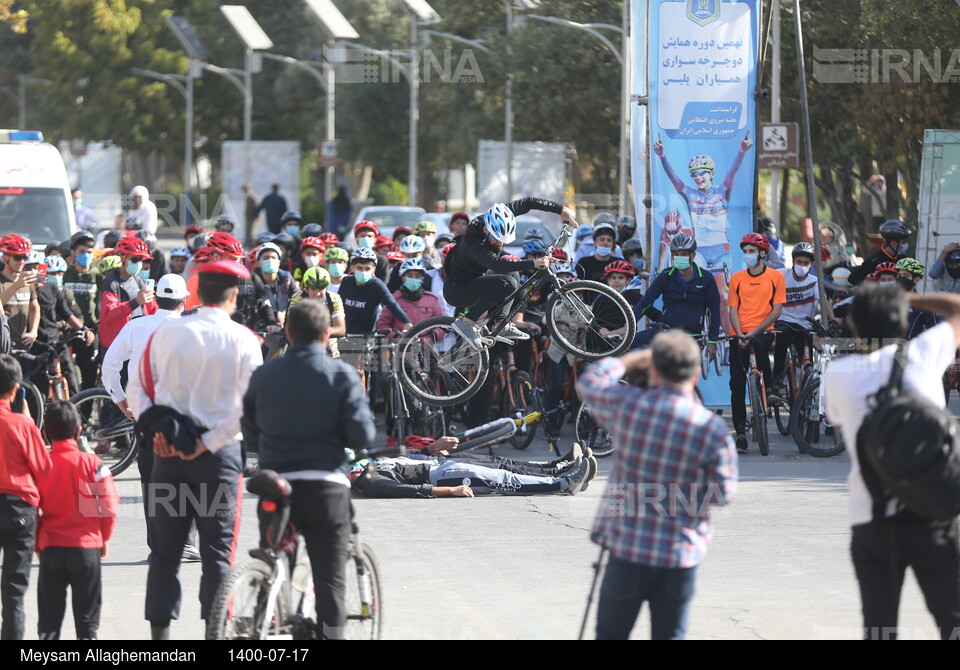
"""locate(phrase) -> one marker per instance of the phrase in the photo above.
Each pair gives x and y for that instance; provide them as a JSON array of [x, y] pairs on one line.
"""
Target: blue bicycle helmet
[[585, 230], [501, 222], [363, 254], [412, 264], [55, 264], [534, 246], [412, 244]]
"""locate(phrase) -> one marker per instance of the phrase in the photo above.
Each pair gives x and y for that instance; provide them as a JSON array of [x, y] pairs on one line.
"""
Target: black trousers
[[481, 294], [882, 552], [323, 514], [86, 358], [204, 490], [18, 528], [79, 569], [739, 366], [789, 334]]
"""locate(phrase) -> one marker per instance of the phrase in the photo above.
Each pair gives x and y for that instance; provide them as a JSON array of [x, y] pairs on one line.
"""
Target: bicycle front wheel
[[759, 416], [34, 401], [580, 311], [437, 366], [364, 600], [590, 434], [108, 431], [809, 428], [523, 402], [240, 607]]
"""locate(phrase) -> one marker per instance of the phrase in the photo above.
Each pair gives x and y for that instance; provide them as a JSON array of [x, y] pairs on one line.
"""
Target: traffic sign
[[779, 146]]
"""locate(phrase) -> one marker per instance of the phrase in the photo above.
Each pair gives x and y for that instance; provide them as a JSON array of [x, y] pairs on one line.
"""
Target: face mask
[[638, 264], [751, 259], [603, 251], [311, 261], [428, 240], [801, 270], [412, 285], [904, 248], [78, 202], [336, 269], [84, 260], [293, 230], [365, 242], [681, 262], [270, 266], [906, 284], [55, 279], [362, 277], [145, 274], [133, 267]]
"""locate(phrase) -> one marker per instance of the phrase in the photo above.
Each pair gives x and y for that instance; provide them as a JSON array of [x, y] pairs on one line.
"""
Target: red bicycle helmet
[[418, 442], [401, 230], [382, 241], [886, 267], [871, 277], [330, 239], [15, 245], [314, 242], [447, 249], [619, 267], [226, 244], [369, 225], [757, 240], [192, 228], [203, 255], [133, 246], [561, 254], [396, 256]]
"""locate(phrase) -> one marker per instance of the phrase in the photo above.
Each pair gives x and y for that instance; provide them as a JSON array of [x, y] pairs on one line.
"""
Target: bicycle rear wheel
[[759, 417], [240, 606], [437, 365], [590, 434], [579, 310], [34, 401], [811, 432], [524, 402], [364, 601], [108, 431]]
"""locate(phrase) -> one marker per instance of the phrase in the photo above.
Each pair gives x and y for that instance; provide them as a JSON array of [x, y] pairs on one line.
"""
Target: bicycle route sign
[[779, 146]]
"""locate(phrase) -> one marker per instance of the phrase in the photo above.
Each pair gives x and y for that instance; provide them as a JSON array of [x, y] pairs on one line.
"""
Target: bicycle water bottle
[[366, 593]]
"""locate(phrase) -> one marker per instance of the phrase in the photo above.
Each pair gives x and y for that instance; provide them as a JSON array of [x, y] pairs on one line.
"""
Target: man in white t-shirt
[[882, 549], [803, 294]]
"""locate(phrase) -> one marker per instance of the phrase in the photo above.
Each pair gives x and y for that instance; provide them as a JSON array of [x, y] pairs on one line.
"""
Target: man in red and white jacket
[[417, 303], [79, 504], [124, 294]]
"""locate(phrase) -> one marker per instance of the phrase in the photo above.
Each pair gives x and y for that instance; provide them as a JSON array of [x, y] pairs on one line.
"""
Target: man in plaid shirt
[[675, 459]]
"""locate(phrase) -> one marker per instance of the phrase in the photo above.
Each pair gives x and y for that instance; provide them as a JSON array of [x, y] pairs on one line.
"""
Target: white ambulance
[[35, 199]]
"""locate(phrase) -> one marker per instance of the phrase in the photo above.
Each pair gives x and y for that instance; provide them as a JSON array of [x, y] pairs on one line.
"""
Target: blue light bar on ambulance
[[21, 136]]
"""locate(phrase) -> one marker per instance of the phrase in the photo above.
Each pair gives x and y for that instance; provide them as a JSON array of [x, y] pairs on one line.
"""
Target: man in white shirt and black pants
[[196, 368], [882, 549]]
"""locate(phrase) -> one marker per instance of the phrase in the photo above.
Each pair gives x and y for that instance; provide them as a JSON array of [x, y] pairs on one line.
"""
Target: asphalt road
[[520, 567]]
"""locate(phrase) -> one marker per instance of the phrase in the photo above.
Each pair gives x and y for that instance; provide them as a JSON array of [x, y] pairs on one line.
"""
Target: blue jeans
[[625, 588]]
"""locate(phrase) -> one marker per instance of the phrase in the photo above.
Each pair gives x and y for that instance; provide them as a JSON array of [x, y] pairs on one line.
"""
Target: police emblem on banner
[[703, 11]]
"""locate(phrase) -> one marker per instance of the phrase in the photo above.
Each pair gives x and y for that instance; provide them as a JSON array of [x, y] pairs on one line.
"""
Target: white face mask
[[311, 261], [801, 270]]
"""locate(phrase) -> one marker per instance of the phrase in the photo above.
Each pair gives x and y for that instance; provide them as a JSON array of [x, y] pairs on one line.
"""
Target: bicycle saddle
[[269, 485]]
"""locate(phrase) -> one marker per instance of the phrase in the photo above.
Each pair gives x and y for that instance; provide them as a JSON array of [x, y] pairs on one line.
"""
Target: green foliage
[[389, 192]]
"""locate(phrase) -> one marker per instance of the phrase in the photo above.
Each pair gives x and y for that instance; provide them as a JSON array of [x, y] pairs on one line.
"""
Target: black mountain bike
[[588, 319]]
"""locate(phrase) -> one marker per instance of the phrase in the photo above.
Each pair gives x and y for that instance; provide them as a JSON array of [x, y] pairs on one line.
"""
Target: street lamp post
[[245, 86], [623, 57]]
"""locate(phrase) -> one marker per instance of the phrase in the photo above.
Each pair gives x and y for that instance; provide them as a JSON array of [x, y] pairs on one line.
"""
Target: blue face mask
[[681, 262], [270, 266], [751, 259], [365, 242], [603, 251], [904, 248], [362, 277], [336, 269], [84, 260], [55, 279], [293, 230], [133, 267], [145, 274], [638, 264], [412, 285]]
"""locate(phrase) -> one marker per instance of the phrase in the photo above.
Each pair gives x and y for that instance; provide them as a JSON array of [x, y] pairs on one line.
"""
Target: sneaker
[[514, 333], [741, 444], [594, 466], [469, 332], [577, 476], [191, 554], [575, 452]]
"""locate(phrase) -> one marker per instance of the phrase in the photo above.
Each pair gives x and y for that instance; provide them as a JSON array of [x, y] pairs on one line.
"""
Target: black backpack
[[907, 448]]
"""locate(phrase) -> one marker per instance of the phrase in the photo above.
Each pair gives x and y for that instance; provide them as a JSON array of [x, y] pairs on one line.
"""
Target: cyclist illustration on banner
[[673, 225]]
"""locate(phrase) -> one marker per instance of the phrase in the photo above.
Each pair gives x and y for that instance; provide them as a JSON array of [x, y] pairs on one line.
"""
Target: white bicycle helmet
[[501, 222], [412, 244], [412, 264], [562, 268], [179, 252]]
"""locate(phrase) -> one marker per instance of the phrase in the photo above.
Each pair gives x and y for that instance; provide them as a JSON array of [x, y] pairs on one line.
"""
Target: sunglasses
[[700, 173]]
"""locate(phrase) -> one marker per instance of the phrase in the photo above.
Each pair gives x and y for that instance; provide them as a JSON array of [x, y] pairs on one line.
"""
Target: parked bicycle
[[601, 321], [271, 596]]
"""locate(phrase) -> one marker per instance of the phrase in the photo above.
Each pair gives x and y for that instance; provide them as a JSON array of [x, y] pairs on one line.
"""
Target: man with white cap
[[142, 209], [126, 351], [186, 395]]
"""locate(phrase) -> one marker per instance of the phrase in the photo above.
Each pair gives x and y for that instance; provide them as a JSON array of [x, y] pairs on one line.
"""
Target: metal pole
[[414, 111], [247, 112], [624, 108], [328, 73], [508, 105], [188, 145], [23, 102], [808, 151], [774, 209]]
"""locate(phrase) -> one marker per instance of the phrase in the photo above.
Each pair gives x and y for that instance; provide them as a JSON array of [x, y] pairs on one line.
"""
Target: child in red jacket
[[79, 505], [24, 462]]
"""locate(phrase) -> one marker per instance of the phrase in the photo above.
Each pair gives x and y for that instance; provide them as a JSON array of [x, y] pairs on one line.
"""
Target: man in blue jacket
[[688, 294], [302, 412]]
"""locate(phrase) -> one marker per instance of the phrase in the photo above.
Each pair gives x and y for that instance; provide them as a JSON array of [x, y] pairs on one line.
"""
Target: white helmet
[[562, 268], [179, 252], [501, 222], [412, 244]]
